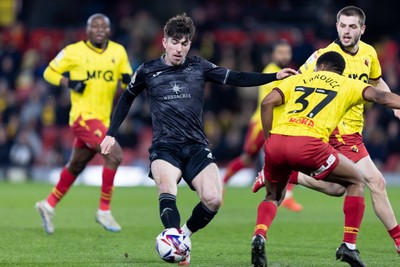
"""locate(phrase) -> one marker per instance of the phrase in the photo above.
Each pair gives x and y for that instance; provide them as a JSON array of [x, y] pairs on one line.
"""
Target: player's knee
[[213, 202], [376, 183], [337, 190]]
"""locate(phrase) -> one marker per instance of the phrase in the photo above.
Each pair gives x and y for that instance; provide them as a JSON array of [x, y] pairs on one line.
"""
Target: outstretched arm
[[382, 85], [255, 79], [387, 99], [120, 113]]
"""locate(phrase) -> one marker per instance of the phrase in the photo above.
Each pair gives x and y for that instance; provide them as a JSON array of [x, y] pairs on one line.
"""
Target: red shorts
[[254, 140], [350, 145], [309, 155], [88, 133]]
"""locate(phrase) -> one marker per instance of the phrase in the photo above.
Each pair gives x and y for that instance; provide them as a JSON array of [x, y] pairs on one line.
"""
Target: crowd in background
[[34, 115]]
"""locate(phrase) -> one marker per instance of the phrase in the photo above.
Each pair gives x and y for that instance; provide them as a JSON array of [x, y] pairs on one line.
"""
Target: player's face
[[282, 55], [176, 50], [349, 32], [98, 31]]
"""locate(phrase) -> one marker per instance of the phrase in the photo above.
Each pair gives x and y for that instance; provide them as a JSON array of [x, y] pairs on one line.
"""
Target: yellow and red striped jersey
[[362, 65], [102, 69], [315, 102]]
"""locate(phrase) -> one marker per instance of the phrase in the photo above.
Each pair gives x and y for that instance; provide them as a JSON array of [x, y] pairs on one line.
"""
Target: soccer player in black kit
[[175, 88]]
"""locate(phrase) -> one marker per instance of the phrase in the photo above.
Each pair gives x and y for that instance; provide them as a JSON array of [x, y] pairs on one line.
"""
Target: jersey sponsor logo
[[331, 159], [107, 75], [177, 88], [303, 121], [362, 77]]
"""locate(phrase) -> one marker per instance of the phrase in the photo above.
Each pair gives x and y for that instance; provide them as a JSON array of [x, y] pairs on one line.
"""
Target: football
[[173, 245]]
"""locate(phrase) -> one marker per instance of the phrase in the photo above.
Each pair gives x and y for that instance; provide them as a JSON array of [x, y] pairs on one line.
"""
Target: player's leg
[[166, 177], [253, 142], [104, 215], [209, 189], [266, 213], [380, 201], [289, 202], [79, 158], [277, 174], [330, 189], [346, 174]]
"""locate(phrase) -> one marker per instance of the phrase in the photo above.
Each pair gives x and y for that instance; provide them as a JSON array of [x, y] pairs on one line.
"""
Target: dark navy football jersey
[[176, 97]]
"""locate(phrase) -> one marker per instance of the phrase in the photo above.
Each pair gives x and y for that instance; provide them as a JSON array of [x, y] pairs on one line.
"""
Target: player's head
[[281, 53], [350, 25], [331, 61], [178, 34], [98, 29]]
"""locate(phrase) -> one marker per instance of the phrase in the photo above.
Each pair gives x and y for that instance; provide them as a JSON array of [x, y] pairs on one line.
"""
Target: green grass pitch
[[309, 238]]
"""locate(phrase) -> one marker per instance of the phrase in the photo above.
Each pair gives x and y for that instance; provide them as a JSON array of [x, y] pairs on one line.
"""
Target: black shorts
[[191, 158]]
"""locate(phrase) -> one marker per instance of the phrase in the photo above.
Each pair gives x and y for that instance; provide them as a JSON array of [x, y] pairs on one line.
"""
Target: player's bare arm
[[272, 100], [382, 85], [387, 99]]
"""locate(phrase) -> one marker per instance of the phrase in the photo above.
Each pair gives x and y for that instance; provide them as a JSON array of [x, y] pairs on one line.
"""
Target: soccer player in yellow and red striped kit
[[362, 63], [314, 104], [281, 56], [96, 68]]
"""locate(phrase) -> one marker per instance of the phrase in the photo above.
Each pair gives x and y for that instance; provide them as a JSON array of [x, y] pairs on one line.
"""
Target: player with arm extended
[[362, 64], [281, 56], [95, 67], [314, 104], [175, 85]]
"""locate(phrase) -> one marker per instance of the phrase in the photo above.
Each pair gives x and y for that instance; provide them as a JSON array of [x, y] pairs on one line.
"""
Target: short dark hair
[[333, 61], [352, 11], [180, 26]]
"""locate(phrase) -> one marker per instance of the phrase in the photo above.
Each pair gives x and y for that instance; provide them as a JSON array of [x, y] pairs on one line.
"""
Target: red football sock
[[233, 167], [265, 215], [107, 188], [395, 235], [62, 187], [293, 179], [353, 208]]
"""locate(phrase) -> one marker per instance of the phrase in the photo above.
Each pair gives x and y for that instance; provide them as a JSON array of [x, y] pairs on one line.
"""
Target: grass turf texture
[[309, 238]]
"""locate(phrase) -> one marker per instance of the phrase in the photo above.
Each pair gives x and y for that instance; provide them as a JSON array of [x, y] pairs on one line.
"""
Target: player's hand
[[107, 145], [397, 113], [286, 72], [77, 85], [126, 78]]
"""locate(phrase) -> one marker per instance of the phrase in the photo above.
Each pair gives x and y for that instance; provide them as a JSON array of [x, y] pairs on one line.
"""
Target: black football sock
[[169, 213], [201, 216]]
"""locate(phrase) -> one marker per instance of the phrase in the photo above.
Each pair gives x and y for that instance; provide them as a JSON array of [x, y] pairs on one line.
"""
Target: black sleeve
[[237, 78], [124, 103], [121, 110]]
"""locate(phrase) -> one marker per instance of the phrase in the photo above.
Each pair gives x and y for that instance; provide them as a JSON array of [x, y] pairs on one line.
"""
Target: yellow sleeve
[[51, 76]]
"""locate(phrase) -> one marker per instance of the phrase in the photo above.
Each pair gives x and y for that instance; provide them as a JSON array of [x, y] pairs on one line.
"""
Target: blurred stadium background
[[35, 140]]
